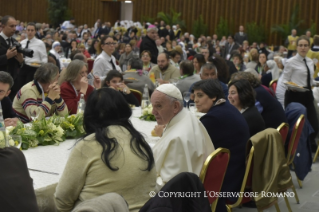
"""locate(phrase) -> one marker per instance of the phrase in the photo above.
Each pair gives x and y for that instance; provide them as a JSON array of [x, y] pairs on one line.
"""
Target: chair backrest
[[247, 178], [273, 85], [138, 95], [294, 139], [90, 65], [213, 173], [283, 129]]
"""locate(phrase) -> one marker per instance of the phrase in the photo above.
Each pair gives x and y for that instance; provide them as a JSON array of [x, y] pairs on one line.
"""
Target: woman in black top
[[242, 96], [114, 79]]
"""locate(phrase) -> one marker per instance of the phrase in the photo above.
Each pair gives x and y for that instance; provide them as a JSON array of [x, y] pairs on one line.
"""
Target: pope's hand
[[159, 130]]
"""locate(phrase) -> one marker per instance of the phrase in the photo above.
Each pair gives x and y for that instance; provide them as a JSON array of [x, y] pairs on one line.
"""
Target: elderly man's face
[[163, 109], [10, 27], [208, 74], [152, 34]]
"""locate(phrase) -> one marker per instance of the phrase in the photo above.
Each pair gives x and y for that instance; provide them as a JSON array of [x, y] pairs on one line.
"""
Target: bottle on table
[[81, 104], [145, 98]]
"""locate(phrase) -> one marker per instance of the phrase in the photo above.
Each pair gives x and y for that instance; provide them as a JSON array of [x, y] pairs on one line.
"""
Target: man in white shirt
[[184, 144], [105, 62], [31, 64], [68, 24], [300, 70]]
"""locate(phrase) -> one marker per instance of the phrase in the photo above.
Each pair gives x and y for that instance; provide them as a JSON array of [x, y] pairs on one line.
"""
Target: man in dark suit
[[240, 36], [229, 47], [170, 32], [10, 59], [148, 43]]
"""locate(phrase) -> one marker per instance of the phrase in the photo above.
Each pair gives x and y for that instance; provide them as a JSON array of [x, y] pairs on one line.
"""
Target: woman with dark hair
[[114, 79], [222, 68], [93, 50], [270, 109], [242, 96], [238, 61], [261, 63], [227, 128], [112, 157], [198, 62]]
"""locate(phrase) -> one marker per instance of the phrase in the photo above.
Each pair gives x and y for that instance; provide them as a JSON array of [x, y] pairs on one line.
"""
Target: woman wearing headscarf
[[54, 52]]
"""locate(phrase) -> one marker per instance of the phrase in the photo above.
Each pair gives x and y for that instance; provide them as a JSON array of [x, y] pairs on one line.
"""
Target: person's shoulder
[[65, 85]]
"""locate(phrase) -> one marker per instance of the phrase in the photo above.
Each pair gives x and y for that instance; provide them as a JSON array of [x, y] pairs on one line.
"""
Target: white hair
[[208, 66]]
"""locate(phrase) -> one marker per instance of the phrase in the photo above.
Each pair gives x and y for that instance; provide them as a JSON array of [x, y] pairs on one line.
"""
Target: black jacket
[[7, 108], [183, 183], [229, 49], [150, 45], [12, 65]]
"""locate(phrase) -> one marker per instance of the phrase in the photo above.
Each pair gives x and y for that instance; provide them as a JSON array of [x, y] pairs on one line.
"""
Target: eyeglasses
[[145, 56], [110, 44], [304, 45]]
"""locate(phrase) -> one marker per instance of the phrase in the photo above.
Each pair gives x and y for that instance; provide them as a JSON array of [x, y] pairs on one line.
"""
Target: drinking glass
[[174, 81], [34, 116], [17, 140], [192, 107], [187, 96]]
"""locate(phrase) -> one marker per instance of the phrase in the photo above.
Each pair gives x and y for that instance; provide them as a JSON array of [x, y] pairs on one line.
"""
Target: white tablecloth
[[54, 158]]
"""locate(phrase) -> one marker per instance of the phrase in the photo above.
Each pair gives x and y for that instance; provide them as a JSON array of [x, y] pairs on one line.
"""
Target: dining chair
[[137, 94], [283, 129], [213, 173], [273, 85]]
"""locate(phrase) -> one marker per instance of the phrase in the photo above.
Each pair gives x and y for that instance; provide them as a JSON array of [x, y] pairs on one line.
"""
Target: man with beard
[[148, 43], [164, 71]]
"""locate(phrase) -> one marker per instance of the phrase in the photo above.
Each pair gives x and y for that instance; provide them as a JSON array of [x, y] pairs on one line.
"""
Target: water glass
[[17, 141], [192, 107], [187, 97], [34, 116]]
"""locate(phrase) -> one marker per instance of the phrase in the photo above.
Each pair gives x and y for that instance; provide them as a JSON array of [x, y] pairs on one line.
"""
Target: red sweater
[[69, 96]]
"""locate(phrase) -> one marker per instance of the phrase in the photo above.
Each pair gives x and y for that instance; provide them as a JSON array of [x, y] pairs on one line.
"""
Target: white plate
[[36, 66], [296, 88]]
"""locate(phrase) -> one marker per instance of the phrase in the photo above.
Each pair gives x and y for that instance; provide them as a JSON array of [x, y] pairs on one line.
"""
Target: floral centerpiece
[[44, 132], [147, 113]]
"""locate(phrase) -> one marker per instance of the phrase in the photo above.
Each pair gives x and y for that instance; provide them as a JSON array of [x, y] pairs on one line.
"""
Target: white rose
[[11, 142], [9, 129], [1, 135], [150, 110], [145, 111]]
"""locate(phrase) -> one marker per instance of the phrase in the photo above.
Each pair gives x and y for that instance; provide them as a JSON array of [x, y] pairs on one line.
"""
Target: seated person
[[187, 76], [139, 77], [75, 82], [112, 157], [238, 61], [272, 72], [126, 56], [9, 116], [41, 97], [185, 143], [164, 71], [227, 129], [17, 193], [81, 47], [271, 111], [242, 96], [209, 71], [175, 58], [114, 79]]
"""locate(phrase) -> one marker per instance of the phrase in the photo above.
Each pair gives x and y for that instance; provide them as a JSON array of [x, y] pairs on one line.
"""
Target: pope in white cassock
[[185, 143]]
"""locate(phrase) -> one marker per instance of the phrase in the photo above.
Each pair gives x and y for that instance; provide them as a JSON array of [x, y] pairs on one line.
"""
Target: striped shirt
[[29, 99]]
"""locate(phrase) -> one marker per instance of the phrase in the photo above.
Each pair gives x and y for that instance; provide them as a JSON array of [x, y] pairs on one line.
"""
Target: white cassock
[[184, 147]]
